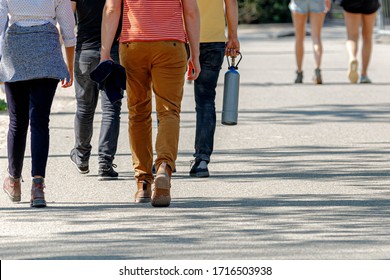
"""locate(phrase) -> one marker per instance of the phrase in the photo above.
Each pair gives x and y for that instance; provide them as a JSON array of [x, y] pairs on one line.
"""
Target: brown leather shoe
[[37, 193], [162, 186], [143, 193], [12, 188]]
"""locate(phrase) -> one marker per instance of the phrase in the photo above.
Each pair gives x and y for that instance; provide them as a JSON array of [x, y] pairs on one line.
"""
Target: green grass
[[3, 105]]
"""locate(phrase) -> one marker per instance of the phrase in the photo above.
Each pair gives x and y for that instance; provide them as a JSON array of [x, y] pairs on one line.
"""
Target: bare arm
[[69, 54], [111, 15], [192, 25], [232, 45], [74, 6], [66, 23], [327, 4]]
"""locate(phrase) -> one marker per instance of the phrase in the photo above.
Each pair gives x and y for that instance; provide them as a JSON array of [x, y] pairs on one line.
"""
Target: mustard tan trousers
[[157, 67]]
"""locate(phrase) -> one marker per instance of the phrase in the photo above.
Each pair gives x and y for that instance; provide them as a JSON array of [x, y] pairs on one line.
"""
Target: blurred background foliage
[[3, 105], [264, 11]]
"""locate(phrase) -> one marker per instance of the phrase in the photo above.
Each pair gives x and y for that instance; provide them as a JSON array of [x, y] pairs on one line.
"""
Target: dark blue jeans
[[211, 59], [87, 94], [29, 102]]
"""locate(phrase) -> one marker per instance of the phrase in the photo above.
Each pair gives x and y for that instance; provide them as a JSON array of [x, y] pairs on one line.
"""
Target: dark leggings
[[29, 102]]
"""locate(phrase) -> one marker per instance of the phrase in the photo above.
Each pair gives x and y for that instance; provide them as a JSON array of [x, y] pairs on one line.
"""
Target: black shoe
[[199, 169], [107, 172], [299, 78], [82, 168], [317, 78]]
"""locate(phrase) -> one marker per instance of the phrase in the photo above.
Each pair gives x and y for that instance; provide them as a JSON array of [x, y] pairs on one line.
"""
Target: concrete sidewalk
[[304, 175]]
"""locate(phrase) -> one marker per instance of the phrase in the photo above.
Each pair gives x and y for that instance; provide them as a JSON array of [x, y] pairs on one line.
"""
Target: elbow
[[191, 10], [111, 9], [192, 14]]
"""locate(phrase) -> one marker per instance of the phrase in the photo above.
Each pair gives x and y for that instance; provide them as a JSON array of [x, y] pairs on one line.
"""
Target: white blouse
[[37, 12]]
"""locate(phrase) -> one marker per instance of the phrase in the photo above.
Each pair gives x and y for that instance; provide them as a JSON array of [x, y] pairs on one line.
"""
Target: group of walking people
[[156, 41], [358, 14]]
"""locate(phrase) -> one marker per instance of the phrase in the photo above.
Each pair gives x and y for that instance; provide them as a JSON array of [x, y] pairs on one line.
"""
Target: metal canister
[[231, 94]]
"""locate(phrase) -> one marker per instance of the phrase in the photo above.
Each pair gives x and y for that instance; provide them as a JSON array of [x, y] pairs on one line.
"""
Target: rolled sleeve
[[65, 19]]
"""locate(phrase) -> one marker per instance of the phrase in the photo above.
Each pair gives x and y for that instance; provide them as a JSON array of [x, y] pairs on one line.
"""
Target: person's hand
[[65, 83], [232, 47], [105, 56], [193, 69], [327, 5]]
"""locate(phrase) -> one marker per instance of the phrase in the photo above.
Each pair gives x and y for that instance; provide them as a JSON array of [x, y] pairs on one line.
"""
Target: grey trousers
[[87, 94]]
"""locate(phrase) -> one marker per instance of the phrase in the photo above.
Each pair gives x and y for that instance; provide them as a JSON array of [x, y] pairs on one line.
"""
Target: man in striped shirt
[[153, 51]]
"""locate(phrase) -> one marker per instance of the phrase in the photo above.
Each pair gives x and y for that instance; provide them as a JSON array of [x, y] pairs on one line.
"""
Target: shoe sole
[[365, 81], [161, 201], [353, 76], [163, 183], [107, 178], [38, 203], [14, 199], [143, 200], [317, 80], [203, 174]]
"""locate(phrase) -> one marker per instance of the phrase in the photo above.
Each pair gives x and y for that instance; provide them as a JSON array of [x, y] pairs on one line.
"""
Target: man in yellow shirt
[[213, 47]]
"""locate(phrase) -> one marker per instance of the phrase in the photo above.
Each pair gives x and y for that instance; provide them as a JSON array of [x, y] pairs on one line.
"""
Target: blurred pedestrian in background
[[359, 14], [315, 10]]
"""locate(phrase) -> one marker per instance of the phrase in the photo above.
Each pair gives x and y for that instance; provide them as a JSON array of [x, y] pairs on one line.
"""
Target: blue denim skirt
[[32, 52]]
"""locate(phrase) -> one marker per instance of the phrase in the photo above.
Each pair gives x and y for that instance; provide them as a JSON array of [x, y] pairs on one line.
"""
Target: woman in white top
[[31, 67]]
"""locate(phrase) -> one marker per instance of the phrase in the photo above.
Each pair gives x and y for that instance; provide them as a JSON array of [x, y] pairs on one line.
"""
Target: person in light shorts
[[307, 6], [315, 10]]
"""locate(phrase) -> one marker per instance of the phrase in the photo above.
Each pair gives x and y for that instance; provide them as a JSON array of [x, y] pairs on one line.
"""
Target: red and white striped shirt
[[152, 20]]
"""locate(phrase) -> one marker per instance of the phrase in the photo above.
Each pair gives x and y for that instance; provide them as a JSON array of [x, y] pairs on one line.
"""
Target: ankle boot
[[37, 193], [12, 187], [143, 193], [162, 186]]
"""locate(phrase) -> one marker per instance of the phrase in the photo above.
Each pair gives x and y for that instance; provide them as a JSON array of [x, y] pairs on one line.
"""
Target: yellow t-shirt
[[212, 21]]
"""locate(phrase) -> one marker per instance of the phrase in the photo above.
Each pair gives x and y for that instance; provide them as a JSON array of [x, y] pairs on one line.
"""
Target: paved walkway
[[304, 175]]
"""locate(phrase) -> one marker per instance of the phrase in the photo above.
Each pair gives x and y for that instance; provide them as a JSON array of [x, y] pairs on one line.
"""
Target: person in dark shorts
[[356, 13], [360, 6]]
